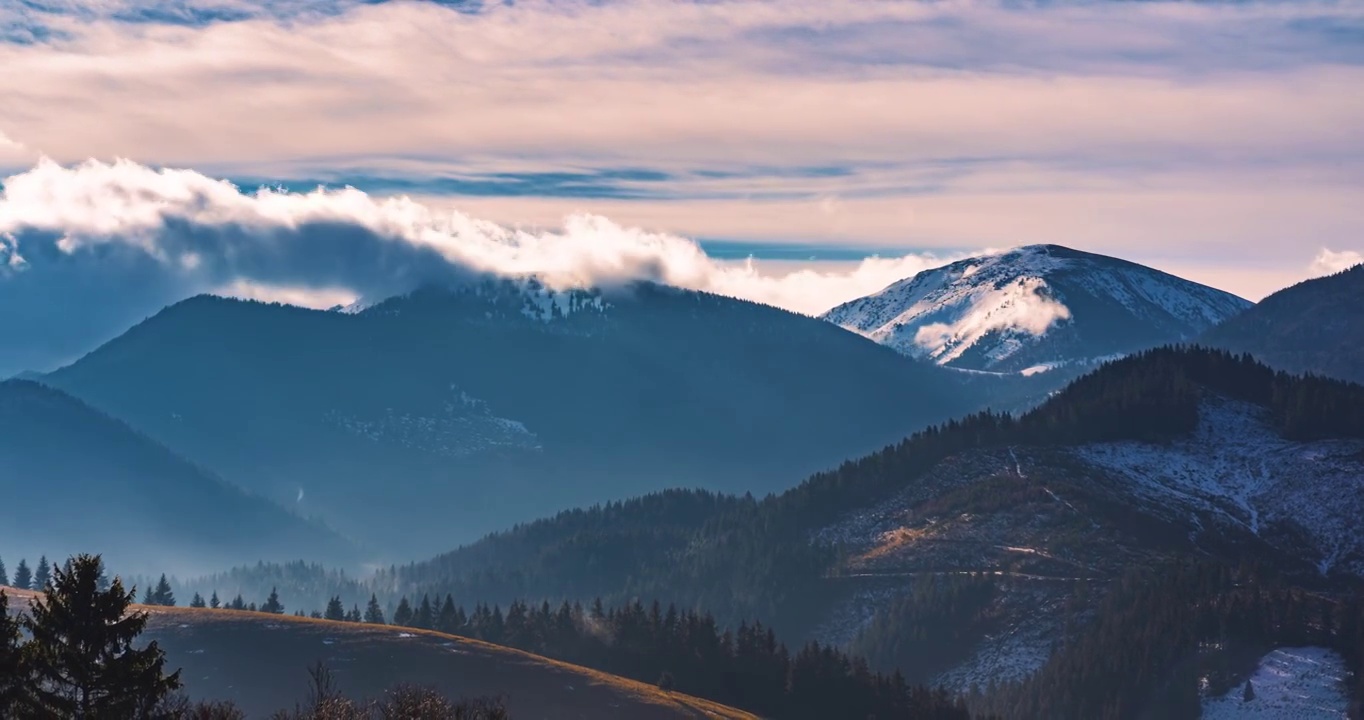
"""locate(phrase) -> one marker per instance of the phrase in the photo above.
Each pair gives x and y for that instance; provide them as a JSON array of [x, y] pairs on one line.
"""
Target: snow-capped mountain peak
[[1034, 307]]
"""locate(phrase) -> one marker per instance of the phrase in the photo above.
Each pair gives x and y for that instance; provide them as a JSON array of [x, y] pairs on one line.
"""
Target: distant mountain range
[[76, 480], [1034, 309], [429, 419], [1315, 326]]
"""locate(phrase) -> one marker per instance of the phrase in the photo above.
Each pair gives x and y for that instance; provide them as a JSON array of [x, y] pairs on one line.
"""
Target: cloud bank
[[85, 250]]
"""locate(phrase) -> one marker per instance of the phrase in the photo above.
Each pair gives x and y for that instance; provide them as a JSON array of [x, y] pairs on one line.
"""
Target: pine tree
[[43, 574], [197, 601], [272, 603], [81, 654], [373, 613], [353, 615], [403, 615], [4, 576], [213, 601], [23, 577], [335, 610], [11, 665], [237, 603], [426, 616], [162, 595]]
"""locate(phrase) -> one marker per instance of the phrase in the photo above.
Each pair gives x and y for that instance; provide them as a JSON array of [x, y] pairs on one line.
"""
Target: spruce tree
[[4, 576], [335, 610], [81, 654], [237, 603], [353, 615], [214, 602], [272, 603], [23, 577], [403, 615], [373, 613], [197, 601], [11, 661], [426, 615], [43, 574], [162, 595]]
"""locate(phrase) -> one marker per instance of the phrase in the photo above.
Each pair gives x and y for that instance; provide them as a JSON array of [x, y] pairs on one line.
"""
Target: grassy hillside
[[259, 661]]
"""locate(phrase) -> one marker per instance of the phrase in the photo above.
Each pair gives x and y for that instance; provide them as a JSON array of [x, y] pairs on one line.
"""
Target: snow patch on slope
[[1237, 468], [997, 308], [1290, 684], [939, 314]]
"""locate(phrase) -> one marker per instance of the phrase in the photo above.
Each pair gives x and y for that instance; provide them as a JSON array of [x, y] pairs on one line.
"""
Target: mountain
[[76, 480], [965, 554], [433, 418], [1035, 308], [1315, 326], [220, 652]]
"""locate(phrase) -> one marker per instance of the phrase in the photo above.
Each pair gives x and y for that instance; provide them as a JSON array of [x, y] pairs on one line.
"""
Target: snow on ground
[[1020, 649], [1290, 684], [1004, 304], [940, 314], [1238, 468]]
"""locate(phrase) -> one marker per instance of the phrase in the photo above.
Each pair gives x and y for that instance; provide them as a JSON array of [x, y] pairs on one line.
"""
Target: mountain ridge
[[1034, 309], [1314, 326], [478, 396]]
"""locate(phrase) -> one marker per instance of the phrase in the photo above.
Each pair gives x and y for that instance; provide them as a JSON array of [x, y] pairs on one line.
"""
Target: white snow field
[[1290, 684]]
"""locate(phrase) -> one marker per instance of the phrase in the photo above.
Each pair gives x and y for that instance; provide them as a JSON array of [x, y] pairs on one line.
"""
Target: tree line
[[1163, 637], [75, 654], [687, 651]]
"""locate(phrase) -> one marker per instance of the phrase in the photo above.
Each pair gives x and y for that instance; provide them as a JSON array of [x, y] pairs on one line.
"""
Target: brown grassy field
[[260, 661]]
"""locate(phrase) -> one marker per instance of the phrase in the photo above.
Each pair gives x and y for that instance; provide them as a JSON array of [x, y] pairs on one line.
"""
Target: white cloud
[[105, 244], [327, 239], [1329, 262]]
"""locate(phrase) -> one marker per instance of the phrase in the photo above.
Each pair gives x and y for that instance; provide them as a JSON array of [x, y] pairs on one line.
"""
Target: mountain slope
[[1035, 308], [75, 480], [1315, 326], [1161, 457], [432, 418]]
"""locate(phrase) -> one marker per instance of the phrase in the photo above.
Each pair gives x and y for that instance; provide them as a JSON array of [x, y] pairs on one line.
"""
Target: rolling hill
[[75, 480], [1035, 309], [220, 655], [432, 418], [1315, 326]]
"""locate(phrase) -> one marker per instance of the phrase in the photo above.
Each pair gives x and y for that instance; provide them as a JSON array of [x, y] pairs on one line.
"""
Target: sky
[[798, 152]]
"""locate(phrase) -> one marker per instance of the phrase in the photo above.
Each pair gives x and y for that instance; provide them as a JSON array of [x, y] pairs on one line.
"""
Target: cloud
[[92, 247], [1329, 262]]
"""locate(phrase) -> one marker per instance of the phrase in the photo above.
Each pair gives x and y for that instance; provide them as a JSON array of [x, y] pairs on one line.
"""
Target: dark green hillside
[[745, 558]]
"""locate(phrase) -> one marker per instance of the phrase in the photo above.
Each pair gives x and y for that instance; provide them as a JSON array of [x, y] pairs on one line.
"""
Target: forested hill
[[741, 557], [1154, 395], [1315, 326], [76, 480], [433, 418]]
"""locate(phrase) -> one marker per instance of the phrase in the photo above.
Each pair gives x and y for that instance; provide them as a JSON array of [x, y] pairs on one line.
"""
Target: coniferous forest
[[714, 595]]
